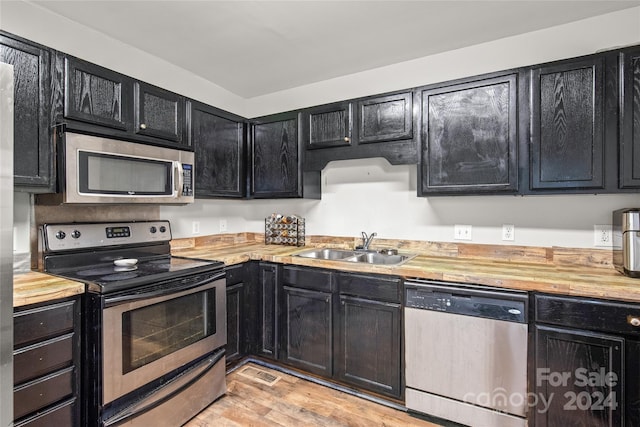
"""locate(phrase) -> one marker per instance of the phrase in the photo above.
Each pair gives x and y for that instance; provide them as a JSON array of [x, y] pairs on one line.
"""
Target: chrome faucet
[[366, 240]]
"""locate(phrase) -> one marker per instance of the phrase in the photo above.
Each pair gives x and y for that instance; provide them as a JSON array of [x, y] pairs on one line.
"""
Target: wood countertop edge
[[590, 282], [34, 287]]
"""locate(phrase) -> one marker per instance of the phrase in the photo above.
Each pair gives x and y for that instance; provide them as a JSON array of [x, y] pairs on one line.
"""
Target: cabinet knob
[[347, 139], [143, 126], [633, 321]]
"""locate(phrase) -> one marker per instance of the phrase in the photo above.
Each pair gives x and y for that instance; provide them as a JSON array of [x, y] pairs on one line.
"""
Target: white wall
[[52, 30], [370, 195]]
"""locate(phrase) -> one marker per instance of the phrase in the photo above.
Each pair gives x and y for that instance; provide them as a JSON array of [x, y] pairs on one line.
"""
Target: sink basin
[[330, 254], [377, 258], [368, 257]]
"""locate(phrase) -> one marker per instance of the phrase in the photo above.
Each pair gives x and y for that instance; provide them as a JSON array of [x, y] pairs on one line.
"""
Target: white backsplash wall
[[371, 195]]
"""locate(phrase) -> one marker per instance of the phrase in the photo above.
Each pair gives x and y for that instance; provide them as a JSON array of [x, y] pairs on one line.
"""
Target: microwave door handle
[[180, 181]]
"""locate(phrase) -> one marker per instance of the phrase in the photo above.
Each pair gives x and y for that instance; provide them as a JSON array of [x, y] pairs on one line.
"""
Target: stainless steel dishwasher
[[466, 353]]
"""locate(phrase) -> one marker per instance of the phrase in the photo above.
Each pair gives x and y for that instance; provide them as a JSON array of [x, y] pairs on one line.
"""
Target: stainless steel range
[[154, 324]]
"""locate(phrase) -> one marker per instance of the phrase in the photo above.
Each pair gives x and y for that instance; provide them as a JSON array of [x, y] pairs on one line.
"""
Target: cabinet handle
[[347, 139], [633, 321], [143, 126]]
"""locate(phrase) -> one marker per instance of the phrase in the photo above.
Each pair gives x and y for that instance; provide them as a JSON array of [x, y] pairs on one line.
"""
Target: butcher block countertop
[[566, 271], [34, 287]]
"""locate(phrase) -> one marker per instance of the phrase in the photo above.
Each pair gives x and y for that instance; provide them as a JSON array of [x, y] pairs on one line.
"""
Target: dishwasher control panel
[[492, 304]]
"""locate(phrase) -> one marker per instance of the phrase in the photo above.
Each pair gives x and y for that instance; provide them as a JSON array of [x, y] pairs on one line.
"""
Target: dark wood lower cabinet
[[308, 330], [47, 364], [586, 363], [234, 348], [268, 322], [578, 378], [369, 352]]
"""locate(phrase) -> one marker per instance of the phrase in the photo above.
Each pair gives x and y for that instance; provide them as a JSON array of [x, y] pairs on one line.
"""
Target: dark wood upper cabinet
[[219, 141], [567, 126], [33, 147], [629, 166], [328, 125], [470, 137], [275, 157], [97, 95], [158, 112], [385, 118]]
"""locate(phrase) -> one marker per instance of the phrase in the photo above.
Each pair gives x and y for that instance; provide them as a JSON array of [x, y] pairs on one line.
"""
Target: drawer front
[[43, 322], [595, 315], [61, 415], [307, 278], [374, 287], [42, 358], [43, 392], [235, 274]]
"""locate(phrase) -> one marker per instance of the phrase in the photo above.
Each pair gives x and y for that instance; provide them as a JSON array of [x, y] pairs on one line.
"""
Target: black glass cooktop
[[108, 277]]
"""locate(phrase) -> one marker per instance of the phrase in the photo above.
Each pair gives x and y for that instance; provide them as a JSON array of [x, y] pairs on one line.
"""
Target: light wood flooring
[[292, 401]]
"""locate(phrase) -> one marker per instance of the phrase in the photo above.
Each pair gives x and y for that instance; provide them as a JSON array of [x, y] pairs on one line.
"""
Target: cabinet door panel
[[308, 337], [33, 152], [630, 121], [158, 113], [235, 301], [580, 374], [219, 145], [567, 130], [370, 345], [328, 126], [275, 158], [268, 309], [470, 137], [387, 118], [97, 95]]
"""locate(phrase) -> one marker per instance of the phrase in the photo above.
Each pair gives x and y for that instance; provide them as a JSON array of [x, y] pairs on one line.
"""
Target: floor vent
[[260, 376]]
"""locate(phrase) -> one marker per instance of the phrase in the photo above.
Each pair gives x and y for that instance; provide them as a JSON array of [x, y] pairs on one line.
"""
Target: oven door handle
[[111, 301], [167, 391]]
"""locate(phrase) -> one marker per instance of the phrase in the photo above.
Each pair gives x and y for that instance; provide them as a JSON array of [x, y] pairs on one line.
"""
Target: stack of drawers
[[46, 364]]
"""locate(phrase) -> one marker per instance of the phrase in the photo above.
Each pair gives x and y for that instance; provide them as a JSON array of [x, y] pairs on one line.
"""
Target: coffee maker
[[626, 241]]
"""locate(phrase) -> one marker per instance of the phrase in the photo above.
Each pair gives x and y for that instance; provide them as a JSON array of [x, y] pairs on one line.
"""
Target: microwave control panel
[[187, 182]]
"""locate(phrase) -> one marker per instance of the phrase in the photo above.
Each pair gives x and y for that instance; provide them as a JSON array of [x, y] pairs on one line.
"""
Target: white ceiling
[[253, 48]]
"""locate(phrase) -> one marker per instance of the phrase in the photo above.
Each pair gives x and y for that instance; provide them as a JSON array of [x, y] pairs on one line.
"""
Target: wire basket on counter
[[284, 230]]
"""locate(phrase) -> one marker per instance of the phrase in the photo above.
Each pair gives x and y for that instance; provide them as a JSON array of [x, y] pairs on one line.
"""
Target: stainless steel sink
[[330, 254], [368, 257], [378, 258]]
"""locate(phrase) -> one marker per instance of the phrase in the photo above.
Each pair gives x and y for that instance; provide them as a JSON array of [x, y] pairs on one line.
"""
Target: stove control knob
[[153, 229], [163, 228], [75, 234], [61, 235]]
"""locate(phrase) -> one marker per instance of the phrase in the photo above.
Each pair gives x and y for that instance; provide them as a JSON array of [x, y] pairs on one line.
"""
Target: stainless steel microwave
[[95, 170]]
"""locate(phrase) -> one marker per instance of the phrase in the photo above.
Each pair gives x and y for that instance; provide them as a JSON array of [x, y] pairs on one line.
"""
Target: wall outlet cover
[[462, 232], [508, 232], [602, 235]]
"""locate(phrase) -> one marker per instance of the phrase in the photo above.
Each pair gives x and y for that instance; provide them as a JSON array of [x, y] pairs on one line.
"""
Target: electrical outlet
[[462, 232], [223, 225], [195, 227], [602, 236], [508, 232]]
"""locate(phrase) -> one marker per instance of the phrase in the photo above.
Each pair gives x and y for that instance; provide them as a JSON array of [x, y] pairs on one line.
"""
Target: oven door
[[149, 334]]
